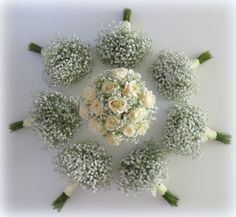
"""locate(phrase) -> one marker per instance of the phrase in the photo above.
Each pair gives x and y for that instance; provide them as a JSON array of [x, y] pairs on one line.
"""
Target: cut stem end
[[205, 57], [171, 198], [127, 14], [223, 137], [34, 48], [16, 126], [60, 202]]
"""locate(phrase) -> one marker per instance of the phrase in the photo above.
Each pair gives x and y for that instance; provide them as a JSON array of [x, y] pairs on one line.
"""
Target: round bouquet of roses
[[118, 106]]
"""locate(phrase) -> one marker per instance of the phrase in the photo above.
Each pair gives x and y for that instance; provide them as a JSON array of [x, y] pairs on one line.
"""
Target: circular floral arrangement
[[118, 106]]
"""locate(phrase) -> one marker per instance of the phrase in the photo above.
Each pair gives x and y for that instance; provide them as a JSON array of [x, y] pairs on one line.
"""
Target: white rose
[[109, 87], [112, 139], [143, 128], [119, 73], [118, 105], [129, 131], [83, 111], [89, 95], [132, 88], [112, 122], [95, 126], [148, 99], [137, 115], [96, 107]]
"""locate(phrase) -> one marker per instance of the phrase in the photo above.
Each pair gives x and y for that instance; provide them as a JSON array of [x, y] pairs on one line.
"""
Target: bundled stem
[[171, 198], [34, 48], [127, 14], [16, 126], [223, 137], [205, 56], [60, 202]]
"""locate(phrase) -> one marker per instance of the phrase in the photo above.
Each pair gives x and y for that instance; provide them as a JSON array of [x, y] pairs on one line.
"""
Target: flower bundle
[[186, 128], [66, 59], [121, 46], [145, 169], [54, 117], [118, 106], [174, 73], [87, 165]]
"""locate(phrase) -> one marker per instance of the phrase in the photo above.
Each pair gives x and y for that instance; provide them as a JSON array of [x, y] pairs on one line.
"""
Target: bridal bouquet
[[118, 106]]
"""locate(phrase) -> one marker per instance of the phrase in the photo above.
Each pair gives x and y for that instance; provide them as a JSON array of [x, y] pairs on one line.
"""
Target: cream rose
[[109, 87], [132, 88], [83, 111], [148, 99], [96, 107], [89, 95], [118, 105], [112, 139], [143, 127], [95, 126], [112, 122], [129, 131], [137, 115], [119, 73]]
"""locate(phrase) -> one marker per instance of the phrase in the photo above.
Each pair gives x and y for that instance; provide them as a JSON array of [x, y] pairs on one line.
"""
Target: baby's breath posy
[[143, 169], [88, 164], [119, 45], [54, 117], [67, 60], [174, 73]]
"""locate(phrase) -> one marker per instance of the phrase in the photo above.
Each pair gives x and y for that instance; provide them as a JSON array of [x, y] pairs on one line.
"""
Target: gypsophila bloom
[[67, 60], [142, 169], [118, 106], [174, 75], [120, 46], [184, 129], [88, 164], [55, 117]]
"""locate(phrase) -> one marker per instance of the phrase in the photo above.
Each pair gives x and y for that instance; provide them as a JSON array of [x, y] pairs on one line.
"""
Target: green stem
[[16, 126], [205, 56], [34, 48], [60, 202], [223, 137], [171, 198], [127, 14]]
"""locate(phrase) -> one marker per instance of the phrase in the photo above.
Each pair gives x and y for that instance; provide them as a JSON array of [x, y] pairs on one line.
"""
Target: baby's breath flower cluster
[[118, 106], [120, 46], [185, 129], [143, 169], [55, 117], [174, 75], [67, 60], [88, 164]]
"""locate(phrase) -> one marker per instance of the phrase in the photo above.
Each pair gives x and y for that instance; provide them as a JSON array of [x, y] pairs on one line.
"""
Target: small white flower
[[132, 88], [120, 73], [112, 139], [89, 95], [118, 105], [96, 107], [148, 99], [111, 123], [142, 129], [137, 115], [129, 131], [108, 87]]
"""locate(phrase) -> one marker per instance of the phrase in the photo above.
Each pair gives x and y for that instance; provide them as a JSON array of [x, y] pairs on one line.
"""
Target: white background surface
[[30, 184]]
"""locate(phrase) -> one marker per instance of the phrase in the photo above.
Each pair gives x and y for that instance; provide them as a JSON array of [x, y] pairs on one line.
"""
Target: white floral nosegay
[[118, 106]]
